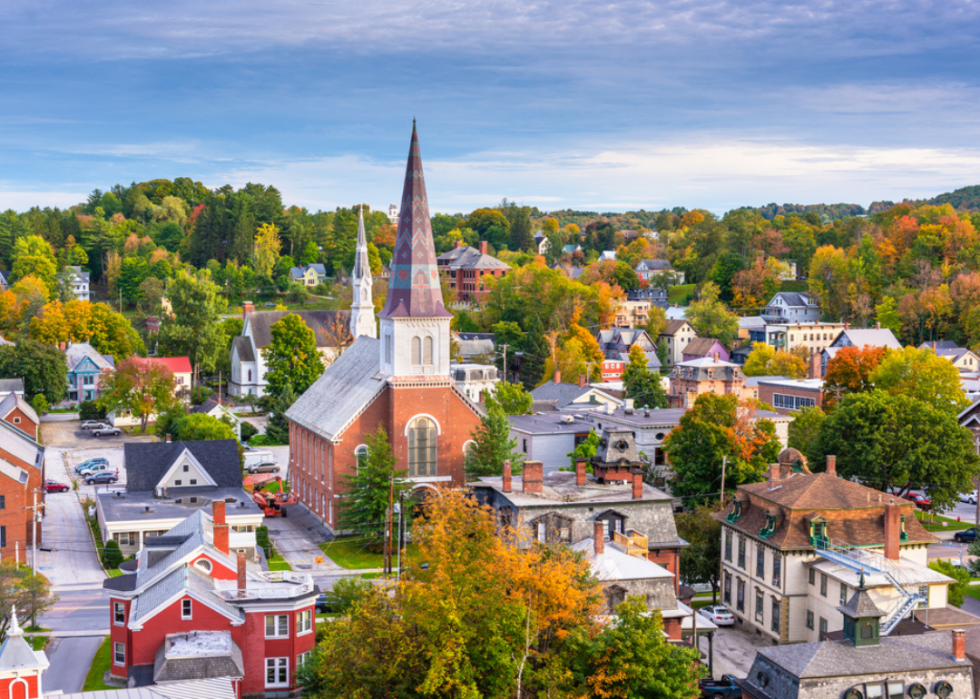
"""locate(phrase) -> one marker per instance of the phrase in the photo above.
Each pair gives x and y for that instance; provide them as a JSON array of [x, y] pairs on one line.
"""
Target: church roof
[[414, 290], [362, 267]]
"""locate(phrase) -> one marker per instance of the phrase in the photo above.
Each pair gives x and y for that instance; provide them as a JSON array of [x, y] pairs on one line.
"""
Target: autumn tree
[[709, 317], [139, 386], [267, 247], [765, 360], [292, 356], [33, 256], [921, 374], [701, 559], [850, 369]]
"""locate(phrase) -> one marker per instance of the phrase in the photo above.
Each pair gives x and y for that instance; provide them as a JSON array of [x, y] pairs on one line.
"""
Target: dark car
[[967, 536], [321, 603], [100, 478], [56, 487], [714, 689]]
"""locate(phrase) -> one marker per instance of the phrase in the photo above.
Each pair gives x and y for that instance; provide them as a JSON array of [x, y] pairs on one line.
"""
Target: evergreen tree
[[535, 354], [369, 490], [492, 444], [277, 429], [643, 385]]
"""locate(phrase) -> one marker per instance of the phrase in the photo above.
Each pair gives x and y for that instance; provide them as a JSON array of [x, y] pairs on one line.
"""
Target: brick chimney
[[580, 473], [458, 244], [483, 247], [714, 355], [247, 308], [581, 380], [637, 486], [507, 477], [893, 530], [847, 326], [168, 437], [533, 477], [218, 512], [775, 475], [815, 365], [221, 537], [831, 465], [241, 574], [557, 375], [878, 326], [599, 537], [959, 644], [934, 347]]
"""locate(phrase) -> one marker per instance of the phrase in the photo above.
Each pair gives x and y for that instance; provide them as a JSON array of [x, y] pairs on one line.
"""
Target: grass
[[114, 572], [275, 486], [678, 294], [698, 603], [260, 440], [100, 666], [93, 525], [352, 553], [973, 591], [277, 562], [934, 523]]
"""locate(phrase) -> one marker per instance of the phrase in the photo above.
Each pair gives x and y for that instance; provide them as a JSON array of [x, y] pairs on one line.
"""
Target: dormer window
[[736, 512], [769, 528], [818, 531]]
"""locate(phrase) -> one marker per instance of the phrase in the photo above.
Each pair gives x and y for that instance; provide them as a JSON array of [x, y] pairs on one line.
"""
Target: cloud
[[24, 200]]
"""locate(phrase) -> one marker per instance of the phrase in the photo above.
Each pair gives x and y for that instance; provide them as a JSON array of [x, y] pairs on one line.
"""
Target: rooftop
[[802, 384], [615, 564], [559, 486], [131, 506]]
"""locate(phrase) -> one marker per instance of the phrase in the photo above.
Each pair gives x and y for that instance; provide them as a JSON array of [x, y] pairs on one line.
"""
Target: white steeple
[[362, 307]]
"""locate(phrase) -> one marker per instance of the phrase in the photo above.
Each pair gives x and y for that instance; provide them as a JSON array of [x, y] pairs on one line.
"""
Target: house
[[607, 255], [4, 280], [474, 379], [308, 275], [476, 346], [792, 306], [647, 269], [568, 396], [196, 608], [963, 359], [676, 313], [688, 380], [703, 347], [656, 297], [21, 477], [401, 382], [467, 270], [80, 282], [21, 667], [393, 213], [219, 411], [330, 328], [571, 249], [800, 543], [815, 336], [12, 386], [676, 337], [616, 343], [85, 367], [165, 481], [788, 396], [541, 243], [181, 368], [857, 337], [864, 663]]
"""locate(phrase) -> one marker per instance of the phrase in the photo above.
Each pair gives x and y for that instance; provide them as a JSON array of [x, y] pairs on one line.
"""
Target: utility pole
[[505, 346], [401, 526], [34, 533], [724, 462], [388, 523]]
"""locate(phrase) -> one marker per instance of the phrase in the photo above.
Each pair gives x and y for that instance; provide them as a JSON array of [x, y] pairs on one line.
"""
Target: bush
[[248, 431], [90, 410], [167, 422], [297, 293], [262, 540], [40, 404], [111, 555], [199, 394], [345, 593]]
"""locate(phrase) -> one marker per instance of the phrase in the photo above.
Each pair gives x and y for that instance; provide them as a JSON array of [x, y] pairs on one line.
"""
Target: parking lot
[[69, 434]]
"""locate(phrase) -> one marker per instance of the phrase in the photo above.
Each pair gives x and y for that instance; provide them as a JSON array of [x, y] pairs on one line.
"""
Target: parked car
[[93, 469], [263, 468], [970, 498], [967, 536], [718, 614], [321, 603], [92, 424], [921, 501], [725, 687], [105, 431], [99, 478], [56, 487], [90, 463]]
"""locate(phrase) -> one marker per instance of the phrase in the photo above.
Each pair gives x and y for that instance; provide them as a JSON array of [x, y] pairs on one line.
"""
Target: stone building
[[690, 379]]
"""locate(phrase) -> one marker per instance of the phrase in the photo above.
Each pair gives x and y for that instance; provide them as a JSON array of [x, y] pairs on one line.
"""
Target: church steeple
[[362, 307], [414, 322]]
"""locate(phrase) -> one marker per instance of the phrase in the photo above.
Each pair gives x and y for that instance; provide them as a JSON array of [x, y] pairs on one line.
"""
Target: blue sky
[[568, 103]]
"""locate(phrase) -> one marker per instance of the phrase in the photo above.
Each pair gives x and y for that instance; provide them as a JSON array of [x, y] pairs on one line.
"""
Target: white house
[[474, 379], [646, 269], [80, 282], [792, 307]]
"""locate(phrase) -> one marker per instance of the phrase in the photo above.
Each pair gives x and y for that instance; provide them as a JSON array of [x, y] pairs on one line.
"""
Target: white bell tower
[[362, 307]]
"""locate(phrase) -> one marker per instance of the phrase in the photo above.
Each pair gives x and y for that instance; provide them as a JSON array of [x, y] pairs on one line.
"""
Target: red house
[[21, 477], [193, 609]]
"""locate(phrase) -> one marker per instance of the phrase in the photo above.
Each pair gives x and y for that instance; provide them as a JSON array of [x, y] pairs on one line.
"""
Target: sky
[[582, 104]]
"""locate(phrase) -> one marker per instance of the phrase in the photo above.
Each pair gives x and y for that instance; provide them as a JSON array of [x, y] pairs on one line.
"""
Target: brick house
[[401, 381], [788, 396], [799, 544], [467, 270], [16, 411], [21, 476], [676, 336], [688, 380], [193, 609]]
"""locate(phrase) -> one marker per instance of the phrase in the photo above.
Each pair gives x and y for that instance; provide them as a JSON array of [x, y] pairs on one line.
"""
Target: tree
[[267, 247], [40, 404], [195, 329], [656, 322], [369, 490], [921, 374], [492, 444], [765, 360], [151, 293], [166, 424], [804, 430], [719, 427], [849, 371], [43, 368], [898, 441], [138, 386], [641, 384], [111, 555], [277, 428], [584, 450], [111, 332], [292, 356], [701, 560], [710, 318], [956, 591], [200, 427], [33, 256], [512, 398]]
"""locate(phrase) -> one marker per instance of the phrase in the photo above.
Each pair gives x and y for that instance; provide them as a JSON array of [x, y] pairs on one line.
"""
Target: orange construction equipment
[[273, 504]]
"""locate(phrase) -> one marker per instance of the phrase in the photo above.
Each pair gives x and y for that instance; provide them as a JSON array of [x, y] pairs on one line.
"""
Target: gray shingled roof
[[658, 265], [795, 298], [346, 386], [860, 605], [324, 324], [11, 385], [940, 345], [875, 337], [244, 348], [146, 463], [185, 578], [562, 393], [16, 654], [14, 400], [466, 257], [78, 351]]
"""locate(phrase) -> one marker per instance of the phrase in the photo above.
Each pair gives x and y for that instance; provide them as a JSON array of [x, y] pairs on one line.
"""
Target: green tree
[[277, 428], [641, 384], [134, 271], [921, 374], [267, 247], [112, 333], [40, 404], [709, 317], [33, 256], [898, 441], [111, 555], [292, 356], [701, 559], [765, 360], [195, 330], [584, 451], [138, 386], [43, 368], [366, 500], [166, 423], [958, 589], [200, 427], [492, 445], [512, 398], [804, 430]]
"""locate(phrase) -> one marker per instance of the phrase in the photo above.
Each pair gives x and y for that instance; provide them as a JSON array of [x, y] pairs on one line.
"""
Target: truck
[[715, 689]]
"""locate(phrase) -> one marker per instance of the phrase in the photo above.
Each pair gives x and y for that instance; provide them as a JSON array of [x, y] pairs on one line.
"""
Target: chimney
[[221, 537], [878, 325], [247, 308], [893, 530], [458, 244], [847, 326], [815, 365], [581, 380], [63, 346], [599, 537], [637, 485], [831, 465], [580, 473], [959, 644], [241, 574], [168, 437], [715, 356], [557, 375], [533, 477], [933, 346], [507, 476], [483, 247], [218, 512]]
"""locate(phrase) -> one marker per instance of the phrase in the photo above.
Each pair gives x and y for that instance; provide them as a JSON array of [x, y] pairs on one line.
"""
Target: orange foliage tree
[[849, 371]]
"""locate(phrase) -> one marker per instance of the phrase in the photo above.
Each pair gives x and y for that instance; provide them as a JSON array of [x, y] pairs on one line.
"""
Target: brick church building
[[400, 381]]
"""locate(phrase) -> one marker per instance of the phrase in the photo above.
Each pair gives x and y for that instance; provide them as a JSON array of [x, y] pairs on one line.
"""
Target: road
[[70, 660]]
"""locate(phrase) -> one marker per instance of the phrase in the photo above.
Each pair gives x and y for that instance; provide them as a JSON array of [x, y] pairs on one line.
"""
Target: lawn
[[260, 440], [277, 562], [678, 294], [100, 666], [352, 553], [934, 523]]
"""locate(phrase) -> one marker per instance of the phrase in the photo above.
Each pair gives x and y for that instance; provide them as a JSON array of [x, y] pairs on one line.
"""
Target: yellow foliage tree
[[267, 247]]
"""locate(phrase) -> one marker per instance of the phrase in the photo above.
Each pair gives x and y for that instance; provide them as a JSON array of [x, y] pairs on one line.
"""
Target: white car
[[970, 498], [718, 615]]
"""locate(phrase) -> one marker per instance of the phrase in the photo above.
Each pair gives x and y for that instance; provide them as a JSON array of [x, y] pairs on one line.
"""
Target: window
[[3, 502], [204, 564], [759, 602], [843, 593], [924, 592], [88, 380], [777, 564], [427, 351], [178, 482], [896, 689], [823, 584], [16, 420], [780, 400], [813, 576], [276, 672], [874, 691], [422, 438], [187, 468], [302, 658], [823, 628], [741, 552], [760, 563], [727, 589], [119, 653], [416, 351], [740, 599], [774, 623], [809, 619], [728, 546], [304, 622], [361, 455], [187, 609], [193, 481], [250, 375], [118, 613], [276, 625]]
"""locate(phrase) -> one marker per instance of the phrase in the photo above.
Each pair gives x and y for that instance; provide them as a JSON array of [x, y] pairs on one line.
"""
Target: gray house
[[792, 307]]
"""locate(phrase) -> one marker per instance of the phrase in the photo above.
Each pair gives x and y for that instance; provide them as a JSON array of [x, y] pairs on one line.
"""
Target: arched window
[[416, 351], [249, 374], [204, 564], [361, 454], [427, 351], [387, 348], [422, 438]]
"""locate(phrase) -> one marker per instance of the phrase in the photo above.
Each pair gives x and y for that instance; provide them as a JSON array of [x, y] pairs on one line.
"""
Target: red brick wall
[[119, 634], [15, 516], [766, 396], [146, 642], [670, 560], [25, 425]]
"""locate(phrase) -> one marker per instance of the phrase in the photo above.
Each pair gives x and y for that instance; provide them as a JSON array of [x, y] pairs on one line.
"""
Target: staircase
[[864, 561]]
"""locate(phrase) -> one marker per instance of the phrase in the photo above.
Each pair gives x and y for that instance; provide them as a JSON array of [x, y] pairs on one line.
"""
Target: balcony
[[277, 584], [635, 543]]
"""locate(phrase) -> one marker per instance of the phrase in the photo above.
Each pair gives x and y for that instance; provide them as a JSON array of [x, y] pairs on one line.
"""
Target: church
[[400, 381]]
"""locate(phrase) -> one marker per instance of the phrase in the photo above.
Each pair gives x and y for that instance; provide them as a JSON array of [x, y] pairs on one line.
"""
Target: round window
[[853, 693], [916, 691], [659, 436], [944, 690]]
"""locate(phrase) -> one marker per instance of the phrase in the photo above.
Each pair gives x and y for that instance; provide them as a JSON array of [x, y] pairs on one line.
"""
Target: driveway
[[70, 660], [68, 434]]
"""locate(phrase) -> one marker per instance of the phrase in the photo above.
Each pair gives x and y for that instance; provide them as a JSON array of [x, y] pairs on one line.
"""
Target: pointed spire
[[414, 290], [362, 320], [14, 629], [361, 264]]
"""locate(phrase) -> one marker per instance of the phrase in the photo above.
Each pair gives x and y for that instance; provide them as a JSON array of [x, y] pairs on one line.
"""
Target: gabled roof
[[19, 444], [657, 265], [566, 393], [9, 385], [615, 564], [940, 345], [466, 257], [324, 324], [217, 688], [16, 654], [78, 352], [701, 345], [244, 348], [207, 406], [177, 365], [875, 337], [147, 462], [13, 400], [795, 299]]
